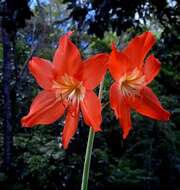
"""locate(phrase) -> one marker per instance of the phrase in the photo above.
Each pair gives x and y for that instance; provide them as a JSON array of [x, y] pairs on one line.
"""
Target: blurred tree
[[13, 15], [118, 16]]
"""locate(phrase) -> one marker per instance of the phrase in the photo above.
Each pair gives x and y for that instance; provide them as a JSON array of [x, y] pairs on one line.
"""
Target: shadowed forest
[[33, 158]]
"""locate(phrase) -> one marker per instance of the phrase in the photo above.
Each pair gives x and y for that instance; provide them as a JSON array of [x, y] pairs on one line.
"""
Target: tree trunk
[[7, 104]]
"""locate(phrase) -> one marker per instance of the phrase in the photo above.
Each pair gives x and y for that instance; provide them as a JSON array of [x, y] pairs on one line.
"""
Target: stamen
[[69, 89], [130, 85]]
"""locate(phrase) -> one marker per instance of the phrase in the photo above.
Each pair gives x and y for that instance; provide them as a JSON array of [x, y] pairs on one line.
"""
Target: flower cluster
[[68, 83]]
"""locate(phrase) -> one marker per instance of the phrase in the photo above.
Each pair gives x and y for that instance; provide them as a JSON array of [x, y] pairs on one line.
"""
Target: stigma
[[131, 84], [69, 89]]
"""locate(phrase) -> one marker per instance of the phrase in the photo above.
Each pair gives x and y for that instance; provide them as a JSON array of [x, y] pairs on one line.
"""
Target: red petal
[[121, 109], [118, 64], [94, 70], [151, 68], [42, 70], [67, 58], [45, 109], [115, 96], [139, 47], [125, 119], [149, 105], [71, 125], [91, 110]]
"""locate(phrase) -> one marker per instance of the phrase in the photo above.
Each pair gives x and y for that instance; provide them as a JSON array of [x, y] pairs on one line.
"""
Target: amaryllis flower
[[132, 72], [67, 85]]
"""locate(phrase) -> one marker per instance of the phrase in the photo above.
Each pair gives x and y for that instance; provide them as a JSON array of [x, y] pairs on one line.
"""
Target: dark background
[[32, 159]]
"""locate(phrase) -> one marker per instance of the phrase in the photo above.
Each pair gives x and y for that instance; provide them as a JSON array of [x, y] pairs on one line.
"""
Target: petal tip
[[150, 34], [65, 145], [65, 142], [97, 129], [66, 35], [69, 33], [125, 133], [24, 123], [113, 46], [167, 116], [124, 136]]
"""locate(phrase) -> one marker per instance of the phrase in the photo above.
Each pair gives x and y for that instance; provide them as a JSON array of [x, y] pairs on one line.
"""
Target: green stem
[[85, 177], [84, 185]]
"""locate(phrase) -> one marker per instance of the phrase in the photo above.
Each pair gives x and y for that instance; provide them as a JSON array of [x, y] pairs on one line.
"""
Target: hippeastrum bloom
[[132, 73], [67, 85]]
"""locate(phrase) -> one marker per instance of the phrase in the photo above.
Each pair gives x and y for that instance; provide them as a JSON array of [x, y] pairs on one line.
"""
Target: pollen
[[132, 83], [70, 89]]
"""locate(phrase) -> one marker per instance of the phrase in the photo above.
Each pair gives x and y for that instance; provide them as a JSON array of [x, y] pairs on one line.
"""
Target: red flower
[[67, 84], [132, 75]]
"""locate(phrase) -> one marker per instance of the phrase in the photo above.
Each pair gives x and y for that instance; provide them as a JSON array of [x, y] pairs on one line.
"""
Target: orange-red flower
[[132, 75], [67, 84]]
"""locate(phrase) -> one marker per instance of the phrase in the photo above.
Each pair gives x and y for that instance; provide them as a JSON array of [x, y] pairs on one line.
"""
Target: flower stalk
[[87, 162]]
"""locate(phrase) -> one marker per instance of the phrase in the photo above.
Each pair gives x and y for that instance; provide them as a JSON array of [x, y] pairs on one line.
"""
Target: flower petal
[[67, 57], [114, 95], [42, 70], [125, 119], [94, 70], [149, 105], [45, 109], [121, 109], [138, 48], [119, 64], [151, 68], [91, 110], [71, 124]]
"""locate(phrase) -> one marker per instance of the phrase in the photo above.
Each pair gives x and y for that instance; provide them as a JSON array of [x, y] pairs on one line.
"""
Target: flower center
[[70, 89], [130, 85]]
